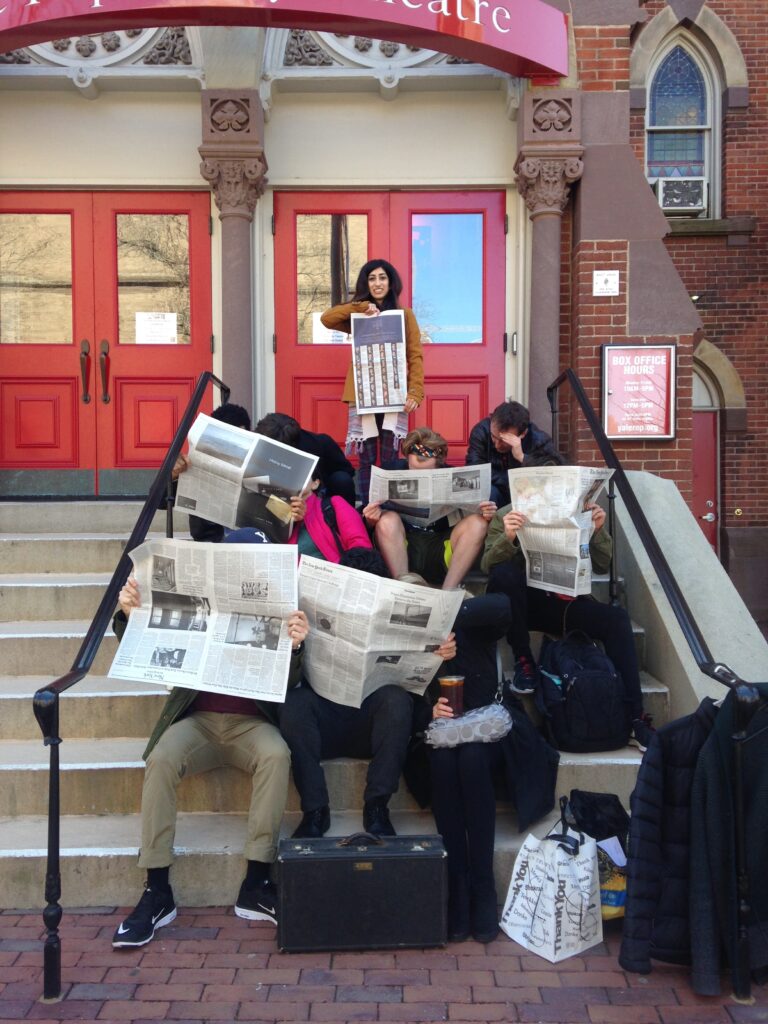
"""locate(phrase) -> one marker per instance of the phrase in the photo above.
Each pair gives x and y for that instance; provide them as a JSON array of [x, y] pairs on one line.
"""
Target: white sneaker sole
[[255, 915], [118, 944]]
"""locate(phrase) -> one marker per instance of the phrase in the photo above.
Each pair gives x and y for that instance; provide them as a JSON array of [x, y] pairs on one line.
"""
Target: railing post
[[613, 585], [46, 706], [169, 502], [746, 702]]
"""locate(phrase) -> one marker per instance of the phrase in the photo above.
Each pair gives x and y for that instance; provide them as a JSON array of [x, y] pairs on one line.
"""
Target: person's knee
[[390, 527], [273, 756], [392, 704]]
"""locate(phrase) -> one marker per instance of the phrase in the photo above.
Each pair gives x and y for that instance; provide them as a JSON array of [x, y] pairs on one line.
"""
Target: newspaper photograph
[[366, 631], [424, 496], [379, 364], [212, 617], [555, 538], [237, 478]]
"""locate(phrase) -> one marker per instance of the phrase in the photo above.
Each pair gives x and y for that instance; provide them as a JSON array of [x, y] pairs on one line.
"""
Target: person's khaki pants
[[206, 740]]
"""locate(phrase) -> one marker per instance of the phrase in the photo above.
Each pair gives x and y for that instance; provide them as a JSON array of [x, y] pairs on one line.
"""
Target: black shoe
[[485, 915], [376, 818], [154, 910], [257, 904], [314, 824], [642, 730], [526, 676]]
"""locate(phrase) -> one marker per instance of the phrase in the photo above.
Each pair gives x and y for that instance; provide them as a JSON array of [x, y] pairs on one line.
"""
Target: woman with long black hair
[[378, 289]]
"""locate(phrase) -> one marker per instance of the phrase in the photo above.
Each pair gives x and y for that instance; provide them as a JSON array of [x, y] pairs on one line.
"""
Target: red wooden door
[[705, 476], [105, 325], [449, 249]]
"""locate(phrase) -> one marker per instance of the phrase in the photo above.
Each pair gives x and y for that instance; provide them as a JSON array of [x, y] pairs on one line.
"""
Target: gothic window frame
[[709, 130]]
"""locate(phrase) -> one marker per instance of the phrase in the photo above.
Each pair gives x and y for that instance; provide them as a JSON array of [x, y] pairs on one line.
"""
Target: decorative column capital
[[545, 182], [232, 151], [549, 160]]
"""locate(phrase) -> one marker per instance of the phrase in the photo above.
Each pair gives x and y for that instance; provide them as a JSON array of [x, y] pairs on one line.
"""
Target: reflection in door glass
[[447, 277], [35, 279], [330, 249], [153, 278]]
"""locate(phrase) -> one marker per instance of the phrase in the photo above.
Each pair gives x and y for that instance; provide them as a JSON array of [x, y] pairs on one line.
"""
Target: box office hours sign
[[639, 392]]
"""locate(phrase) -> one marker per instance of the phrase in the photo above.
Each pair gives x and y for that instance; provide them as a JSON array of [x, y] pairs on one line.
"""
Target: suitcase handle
[[361, 837]]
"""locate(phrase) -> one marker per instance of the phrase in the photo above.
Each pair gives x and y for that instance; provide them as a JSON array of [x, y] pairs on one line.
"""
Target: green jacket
[[498, 548], [180, 698]]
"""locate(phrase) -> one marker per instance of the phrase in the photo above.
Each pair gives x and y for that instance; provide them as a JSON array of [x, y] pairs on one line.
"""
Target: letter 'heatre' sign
[[520, 37]]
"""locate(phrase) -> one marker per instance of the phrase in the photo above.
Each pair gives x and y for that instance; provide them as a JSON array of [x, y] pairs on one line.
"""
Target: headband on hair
[[423, 452]]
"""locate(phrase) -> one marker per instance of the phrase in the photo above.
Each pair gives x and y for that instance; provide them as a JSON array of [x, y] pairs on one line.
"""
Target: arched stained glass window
[[678, 118]]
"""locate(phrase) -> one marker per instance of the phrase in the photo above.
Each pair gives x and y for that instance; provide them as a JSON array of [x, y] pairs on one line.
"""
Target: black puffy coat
[[656, 922]]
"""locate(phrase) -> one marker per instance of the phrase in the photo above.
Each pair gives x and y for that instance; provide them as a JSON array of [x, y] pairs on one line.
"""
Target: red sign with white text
[[520, 37], [639, 392]]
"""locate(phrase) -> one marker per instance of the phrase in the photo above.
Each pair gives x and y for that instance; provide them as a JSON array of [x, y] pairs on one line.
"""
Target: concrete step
[[98, 857], [60, 552], [51, 596], [96, 706], [105, 776], [49, 648], [110, 517]]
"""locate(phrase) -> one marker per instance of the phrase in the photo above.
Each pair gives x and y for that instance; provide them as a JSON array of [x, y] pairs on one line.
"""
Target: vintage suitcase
[[361, 893]]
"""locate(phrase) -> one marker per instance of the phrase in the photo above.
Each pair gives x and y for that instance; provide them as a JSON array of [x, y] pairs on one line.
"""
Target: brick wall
[[732, 281]]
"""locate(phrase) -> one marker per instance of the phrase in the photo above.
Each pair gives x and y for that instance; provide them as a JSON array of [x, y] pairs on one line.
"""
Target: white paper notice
[[156, 329]]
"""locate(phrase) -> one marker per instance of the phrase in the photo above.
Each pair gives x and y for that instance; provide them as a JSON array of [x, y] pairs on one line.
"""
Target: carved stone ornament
[[171, 48], [302, 51], [552, 117], [230, 115], [544, 181], [237, 183], [15, 57]]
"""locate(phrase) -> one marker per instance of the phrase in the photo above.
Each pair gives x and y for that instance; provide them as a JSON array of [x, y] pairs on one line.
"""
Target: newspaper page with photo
[[212, 617], [555, 538], [366, 631], [424, 496], [237, 478], [379, 365]]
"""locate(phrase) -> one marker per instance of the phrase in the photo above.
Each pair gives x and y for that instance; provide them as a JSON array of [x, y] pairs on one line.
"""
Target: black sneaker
[[376, 818], [642, 730], [314, 824], [257, 904], [526, 677], [154, 910]]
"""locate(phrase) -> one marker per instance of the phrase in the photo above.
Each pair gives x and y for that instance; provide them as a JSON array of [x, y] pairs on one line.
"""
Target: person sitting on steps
[[425, 550], [316, 729], [198, 731]]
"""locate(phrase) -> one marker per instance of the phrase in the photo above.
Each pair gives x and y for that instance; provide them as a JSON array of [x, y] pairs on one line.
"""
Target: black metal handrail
[[746, 695], [46, 699]]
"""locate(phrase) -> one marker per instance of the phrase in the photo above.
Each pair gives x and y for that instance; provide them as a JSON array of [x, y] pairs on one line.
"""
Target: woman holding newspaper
[[377, 290]]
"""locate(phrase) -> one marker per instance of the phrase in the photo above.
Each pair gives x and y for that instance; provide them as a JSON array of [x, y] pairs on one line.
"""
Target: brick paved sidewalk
[[211, 966]]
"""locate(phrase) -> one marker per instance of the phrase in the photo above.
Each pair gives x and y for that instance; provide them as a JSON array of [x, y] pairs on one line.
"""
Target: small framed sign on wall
[[639, 392]]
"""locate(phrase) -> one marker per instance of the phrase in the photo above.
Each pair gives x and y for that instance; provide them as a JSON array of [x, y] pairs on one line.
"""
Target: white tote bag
[[553, 903]]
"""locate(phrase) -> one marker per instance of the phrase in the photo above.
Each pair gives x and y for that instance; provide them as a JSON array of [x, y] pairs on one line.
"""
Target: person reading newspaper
[[316, 728], [508, 440], [198, 731], [537, 609], [441, 552]]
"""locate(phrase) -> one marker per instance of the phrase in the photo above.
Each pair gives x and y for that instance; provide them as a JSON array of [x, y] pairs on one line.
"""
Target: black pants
[[315, 728], [464, 806], [538, 610]]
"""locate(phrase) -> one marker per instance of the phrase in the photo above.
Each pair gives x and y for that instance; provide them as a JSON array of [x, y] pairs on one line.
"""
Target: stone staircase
[[50, 584]]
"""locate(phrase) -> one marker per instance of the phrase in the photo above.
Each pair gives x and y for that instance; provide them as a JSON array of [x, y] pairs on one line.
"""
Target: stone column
[[547, 165], [234, 164]]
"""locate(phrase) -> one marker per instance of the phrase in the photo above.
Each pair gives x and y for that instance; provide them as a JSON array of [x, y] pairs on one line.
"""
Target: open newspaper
[[379, 364], [212, 617], [424, 496], [366, 631], [237, 478], [555, 538]]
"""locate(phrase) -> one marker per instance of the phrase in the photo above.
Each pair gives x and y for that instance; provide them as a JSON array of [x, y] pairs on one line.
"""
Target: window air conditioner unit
[[682, 195]]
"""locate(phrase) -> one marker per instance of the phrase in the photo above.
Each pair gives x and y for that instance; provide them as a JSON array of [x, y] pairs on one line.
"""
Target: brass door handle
[[104, 367], [85, 349]]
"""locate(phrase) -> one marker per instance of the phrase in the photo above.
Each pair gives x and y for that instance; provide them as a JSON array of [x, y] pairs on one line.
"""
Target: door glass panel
[[35, 279], [447, 282], [153, 278], [330, 249]]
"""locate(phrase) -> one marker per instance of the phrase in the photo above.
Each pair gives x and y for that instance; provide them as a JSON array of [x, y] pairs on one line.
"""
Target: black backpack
[[581, 696]]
